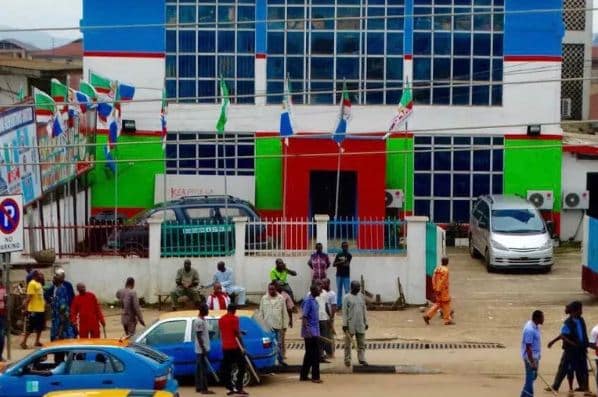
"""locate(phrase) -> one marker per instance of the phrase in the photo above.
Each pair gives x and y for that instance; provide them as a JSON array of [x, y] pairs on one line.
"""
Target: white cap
[[59, 271]]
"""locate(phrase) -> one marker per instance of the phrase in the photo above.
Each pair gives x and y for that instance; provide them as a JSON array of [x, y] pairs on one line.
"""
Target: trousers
[[342, 284], [311, 359], [360, 338], [230, 358], [445, 306], [201, 373], [530, 376]]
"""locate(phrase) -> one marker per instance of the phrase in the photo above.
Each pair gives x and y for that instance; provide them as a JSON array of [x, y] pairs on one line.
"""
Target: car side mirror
[[550, 228]]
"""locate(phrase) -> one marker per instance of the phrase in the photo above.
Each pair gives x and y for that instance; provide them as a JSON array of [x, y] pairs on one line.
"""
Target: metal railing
[[198, 238], [280, 237], [368, 236]]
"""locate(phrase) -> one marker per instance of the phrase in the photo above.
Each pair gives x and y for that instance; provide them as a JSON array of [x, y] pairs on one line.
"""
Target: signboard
[[11, 223], [19, 161], [178, 186], [67, 155]]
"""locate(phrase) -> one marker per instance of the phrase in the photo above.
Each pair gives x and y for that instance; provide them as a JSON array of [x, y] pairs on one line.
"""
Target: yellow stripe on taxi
[[193, 313], [110, 393]]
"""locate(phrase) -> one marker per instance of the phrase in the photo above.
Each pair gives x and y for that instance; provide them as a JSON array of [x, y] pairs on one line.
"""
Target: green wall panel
[[396, 175], [533, 164], [135, 178], [268, 174]]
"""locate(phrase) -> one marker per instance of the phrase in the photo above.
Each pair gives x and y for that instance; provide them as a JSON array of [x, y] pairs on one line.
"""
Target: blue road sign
[[10, 216]]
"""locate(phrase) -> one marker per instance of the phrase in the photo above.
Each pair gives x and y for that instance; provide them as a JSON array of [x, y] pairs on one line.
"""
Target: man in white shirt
[[226, 278], [325, 314], [201, 338], [273, 309], [594, 345]]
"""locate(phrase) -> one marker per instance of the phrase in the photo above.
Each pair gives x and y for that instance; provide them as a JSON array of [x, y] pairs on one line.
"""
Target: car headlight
[[547, 244], [498, 245]]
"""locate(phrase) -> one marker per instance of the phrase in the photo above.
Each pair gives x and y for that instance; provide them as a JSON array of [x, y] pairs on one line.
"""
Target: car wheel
[[247, 379], [489, 267], [472, 251]]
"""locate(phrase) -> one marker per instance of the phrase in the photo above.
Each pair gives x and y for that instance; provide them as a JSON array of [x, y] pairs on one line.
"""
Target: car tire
[[247, 379], [472, 251], [489, 267]]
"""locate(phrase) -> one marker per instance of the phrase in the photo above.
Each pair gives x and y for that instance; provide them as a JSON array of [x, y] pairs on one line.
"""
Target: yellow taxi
[[110, 393]]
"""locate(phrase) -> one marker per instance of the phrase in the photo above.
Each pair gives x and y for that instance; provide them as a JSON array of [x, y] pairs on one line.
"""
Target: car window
[[167, 333], [232, 212], [200, 213], [148, 352], [166, 215], [89, 362], [484, 211], [517, 221], [53, 363], [213, 329]]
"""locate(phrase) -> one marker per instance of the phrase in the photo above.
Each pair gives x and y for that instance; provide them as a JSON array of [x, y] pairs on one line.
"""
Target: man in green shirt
[[280, 274], [187, 281]]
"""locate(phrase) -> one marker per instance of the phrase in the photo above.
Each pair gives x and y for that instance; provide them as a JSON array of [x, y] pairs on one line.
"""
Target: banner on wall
[[179, 186], [69, 154], [19, 160]]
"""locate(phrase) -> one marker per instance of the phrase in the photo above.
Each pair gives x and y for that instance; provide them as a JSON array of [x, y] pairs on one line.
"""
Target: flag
[[45, 107], [82, 99], [110, 163], [125, 92], [57, 125], [105, 108], [102, 85], [221, 124], [343, 117], [286, 119], [163, 113], [59, 93], [405, 108], [87, 89]]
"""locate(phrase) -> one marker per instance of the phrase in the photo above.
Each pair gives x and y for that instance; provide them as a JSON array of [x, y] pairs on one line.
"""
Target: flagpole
[[338, 180]]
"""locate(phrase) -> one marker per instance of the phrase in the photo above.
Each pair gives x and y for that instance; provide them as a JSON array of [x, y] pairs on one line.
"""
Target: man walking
[[442, 297], [318, 262], [355, 323], [342, 262], [226, 278], [86, 313], [531, 345], [34, 307], [290, 305], [230, 335], [60, 296], [310, 332], [274, 312], [131, 310], [324, 316], [202, 348], [187, 281]]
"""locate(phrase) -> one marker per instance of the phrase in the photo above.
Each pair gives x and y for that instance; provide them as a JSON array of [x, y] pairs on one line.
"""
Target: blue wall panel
[[534, 33], [124, 12], [261, 15], [408, 41], [593, 245]]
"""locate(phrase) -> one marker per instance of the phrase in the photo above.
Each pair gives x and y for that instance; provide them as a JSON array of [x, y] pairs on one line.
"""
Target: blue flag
[[286, 119]]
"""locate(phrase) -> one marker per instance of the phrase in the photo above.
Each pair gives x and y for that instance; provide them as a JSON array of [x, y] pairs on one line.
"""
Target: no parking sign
[[11, 223]]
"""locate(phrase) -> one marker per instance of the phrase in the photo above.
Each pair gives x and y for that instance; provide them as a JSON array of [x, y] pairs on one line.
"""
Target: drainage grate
[[411, 346]]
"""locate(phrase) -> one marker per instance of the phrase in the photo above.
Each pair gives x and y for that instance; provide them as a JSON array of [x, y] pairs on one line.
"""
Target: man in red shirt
[[230, 335], [86, 313]]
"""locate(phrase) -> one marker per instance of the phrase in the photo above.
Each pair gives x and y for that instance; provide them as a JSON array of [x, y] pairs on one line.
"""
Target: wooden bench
[[162, 299]]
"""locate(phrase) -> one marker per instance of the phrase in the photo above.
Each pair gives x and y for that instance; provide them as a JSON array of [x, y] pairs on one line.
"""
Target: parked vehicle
[[197, 224], [509, 232], [111, 393], [87, 363], [172, 335]]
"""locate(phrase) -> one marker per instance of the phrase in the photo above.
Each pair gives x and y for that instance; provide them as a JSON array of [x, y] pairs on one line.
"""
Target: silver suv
[[509, 232]]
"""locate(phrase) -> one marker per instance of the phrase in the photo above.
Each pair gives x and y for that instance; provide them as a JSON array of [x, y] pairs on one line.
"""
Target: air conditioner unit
[[578, 200], [394, 198], [542, 199], [565, 108]]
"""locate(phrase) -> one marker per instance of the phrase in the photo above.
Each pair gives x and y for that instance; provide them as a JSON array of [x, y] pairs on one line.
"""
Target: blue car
[[87, 364], [172, 335]]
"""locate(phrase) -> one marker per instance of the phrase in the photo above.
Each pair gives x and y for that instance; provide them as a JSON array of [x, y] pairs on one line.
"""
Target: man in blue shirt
[[310, 332], [226, 279], [531, 346]]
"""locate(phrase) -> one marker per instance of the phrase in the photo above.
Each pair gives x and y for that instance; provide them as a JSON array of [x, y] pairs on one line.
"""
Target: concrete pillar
[[260, 80], [322, 230], [239, 257], [415, 285], [154, 255]]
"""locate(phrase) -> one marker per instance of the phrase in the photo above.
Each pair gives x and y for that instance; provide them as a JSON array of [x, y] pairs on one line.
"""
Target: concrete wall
[[574, 179]]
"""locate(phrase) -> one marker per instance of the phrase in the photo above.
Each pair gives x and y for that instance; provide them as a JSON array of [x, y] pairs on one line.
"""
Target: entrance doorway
[[322, 193], [592, 187]]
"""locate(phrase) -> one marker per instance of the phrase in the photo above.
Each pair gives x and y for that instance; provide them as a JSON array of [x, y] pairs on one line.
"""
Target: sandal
[[24, 346]]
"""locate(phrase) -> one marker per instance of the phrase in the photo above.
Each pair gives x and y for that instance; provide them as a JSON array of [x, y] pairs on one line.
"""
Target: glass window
[[394, 69], [442, 211], [374, 93], [394, 44], [497, 44], [246, 91], [375, 23], [347, 68], [295, 43], [295, 18], [422, 43], [226, 67], [245, 66], [171, 16], [481, 69], [442, 185], [442, 68], [421, 95], [421, 69], [207, 66], [395, 19], [207, 91], [481, 184], [422, 207], [276, 18], [497, 184], [187, 41], [462, 44], [481, 44], [481, 160], [226, 41], [89, 362], [165, 215], [199, 212], [206, 41], [497, 66], [171, 41], [321, 68], [347, 43], [344, 22], [461, 95], [187, 89], [295, 68], [322, 18], [375, 68], [461, 211], [274, 92], [497, 160], [245, 42], [442, 18], [170, 66], [171, 88], [462, 160], [480, 95], [442, 44], [461, 185], [423, 160], [441, 94], [206, 14], [393, 96], [246, 17], [462, 20], [422, 184], [481, 19], [275, 43], [186, 14], [375, 43], [325, 87], [422, 19], [496, 95], [186, 66], [167, 333], [322, 43], [275, 67], [442, 159], [461, 69]]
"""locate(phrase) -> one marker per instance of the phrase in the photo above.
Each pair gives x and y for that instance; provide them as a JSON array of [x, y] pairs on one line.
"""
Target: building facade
[[482, 71]]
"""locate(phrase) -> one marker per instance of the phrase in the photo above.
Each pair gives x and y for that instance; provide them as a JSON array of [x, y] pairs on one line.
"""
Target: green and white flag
[[221, 124], [45, 107]]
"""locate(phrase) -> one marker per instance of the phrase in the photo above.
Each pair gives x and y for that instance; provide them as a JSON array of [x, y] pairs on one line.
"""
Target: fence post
[[415, 285], [322, 230], [154, 255], [239, 258]]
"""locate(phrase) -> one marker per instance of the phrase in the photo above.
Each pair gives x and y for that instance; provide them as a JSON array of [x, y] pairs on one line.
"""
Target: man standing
[[593, 343], [274, 312], [442, 297], [355, 322], [60, 297], [34, 307], [324, 315], [290, 305], [342, 262], [187, 281], [130, 304], [230, 336], [202, 348], [226, 278], [3, 323], [332, 300], [86, 313], [280, 274], [531, 345], [310, 332], [566, 364], [319, 262], [218, 300]]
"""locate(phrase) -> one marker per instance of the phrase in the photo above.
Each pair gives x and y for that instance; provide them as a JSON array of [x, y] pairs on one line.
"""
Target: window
[[204, 153], [357, 41], [222, 43], [165, 215], [167, 333], [90, 362], [200, 213], [457, 52], [451, 172], [232, 212]]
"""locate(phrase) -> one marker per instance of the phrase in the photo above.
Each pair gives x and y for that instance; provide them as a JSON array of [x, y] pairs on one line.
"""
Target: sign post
[[11, 240]]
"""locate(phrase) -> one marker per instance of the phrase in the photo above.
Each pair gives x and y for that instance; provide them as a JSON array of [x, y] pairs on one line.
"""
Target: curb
[[360, 369]]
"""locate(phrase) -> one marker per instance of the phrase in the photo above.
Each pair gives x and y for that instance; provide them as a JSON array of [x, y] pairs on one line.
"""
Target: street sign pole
[[9, 301]]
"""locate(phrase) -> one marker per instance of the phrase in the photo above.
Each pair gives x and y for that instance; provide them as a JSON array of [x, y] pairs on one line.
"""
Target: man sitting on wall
[[187, 281], [226, 278], [218, 300]]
